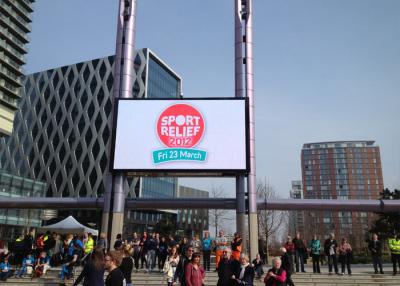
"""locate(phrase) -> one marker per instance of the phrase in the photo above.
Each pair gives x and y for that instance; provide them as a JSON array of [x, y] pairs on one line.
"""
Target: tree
[[271, 223], [217, 216], [387, 224], [165, 227]]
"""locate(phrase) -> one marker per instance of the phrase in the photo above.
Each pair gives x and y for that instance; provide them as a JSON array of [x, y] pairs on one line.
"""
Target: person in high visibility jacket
[[89, 244], [236, 246], [394, 246]]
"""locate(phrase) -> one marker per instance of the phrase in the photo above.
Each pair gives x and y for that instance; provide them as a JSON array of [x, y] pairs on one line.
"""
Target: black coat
[[375, 248], [287, 264], [180, 270], [91, 276], [227, 268], [327, 245], [248, 276]]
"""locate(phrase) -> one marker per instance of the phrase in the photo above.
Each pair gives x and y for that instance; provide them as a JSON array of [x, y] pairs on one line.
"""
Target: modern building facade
[[15, 221], [296, 218], [62, 132], [192, 221], [341, 170], [15, 18]]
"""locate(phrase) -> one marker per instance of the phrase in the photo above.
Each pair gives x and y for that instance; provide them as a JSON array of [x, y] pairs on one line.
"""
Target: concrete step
[[300, 279]]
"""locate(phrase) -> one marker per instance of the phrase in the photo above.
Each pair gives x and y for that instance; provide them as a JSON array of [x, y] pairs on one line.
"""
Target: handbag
[[167, 266]]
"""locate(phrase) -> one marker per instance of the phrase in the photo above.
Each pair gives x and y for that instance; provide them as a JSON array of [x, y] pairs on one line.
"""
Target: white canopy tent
[[69, 225]]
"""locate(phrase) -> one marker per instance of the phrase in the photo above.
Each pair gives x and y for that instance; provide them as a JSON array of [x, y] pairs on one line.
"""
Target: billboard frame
[[181, 172]]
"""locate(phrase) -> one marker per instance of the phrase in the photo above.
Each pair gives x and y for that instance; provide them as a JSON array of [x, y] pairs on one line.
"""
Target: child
[[42, 264], [28, 264], [5, 269]]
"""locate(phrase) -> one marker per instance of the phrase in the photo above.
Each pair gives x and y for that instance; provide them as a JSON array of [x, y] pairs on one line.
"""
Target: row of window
[[344, 171], [331, 156], [337, 150], [341, 161], [310, 182]]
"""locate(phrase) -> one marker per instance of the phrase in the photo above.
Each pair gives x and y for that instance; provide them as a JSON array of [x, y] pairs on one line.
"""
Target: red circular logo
[[180, 125]]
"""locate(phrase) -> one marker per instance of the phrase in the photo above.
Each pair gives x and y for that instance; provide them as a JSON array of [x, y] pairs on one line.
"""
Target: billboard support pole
[[249, 79], [124, 76], [239, 92], [107, 203]]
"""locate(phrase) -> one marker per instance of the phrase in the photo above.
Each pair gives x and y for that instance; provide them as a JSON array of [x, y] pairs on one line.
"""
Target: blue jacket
[[28, 261], [5, 266], [315, 246], [206, 244]]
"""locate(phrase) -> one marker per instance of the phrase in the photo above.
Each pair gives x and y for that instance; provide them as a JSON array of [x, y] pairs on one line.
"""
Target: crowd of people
[[178, 259], [296, 251]]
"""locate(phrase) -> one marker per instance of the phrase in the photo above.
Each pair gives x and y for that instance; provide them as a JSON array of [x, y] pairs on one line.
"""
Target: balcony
[[21, 22], [21, 10], [14, 66], [27, 4], [12, 53], [10, 76], [14, 41], [9, 88], [9, 101], [17, 31]]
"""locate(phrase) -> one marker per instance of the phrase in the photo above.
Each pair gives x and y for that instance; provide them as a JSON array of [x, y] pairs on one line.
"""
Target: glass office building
[[63, 129], [15, 221], [192, 222]]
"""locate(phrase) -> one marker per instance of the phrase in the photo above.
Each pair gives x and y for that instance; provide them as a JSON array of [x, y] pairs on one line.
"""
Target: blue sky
[[324, 70]]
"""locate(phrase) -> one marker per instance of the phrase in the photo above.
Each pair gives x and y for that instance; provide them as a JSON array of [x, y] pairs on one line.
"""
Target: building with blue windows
[[62, 130]]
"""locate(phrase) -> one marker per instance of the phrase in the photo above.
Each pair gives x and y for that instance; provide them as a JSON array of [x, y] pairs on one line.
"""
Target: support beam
[[241, 211], [181, 203], [249, 78], [107, 204], [331, 205], [51, 203], [203, 203], [124, 78], [239, 92]]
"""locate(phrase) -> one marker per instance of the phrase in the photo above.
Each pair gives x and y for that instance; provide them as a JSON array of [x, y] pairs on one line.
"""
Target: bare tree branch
[[217, 216], [270, 222]]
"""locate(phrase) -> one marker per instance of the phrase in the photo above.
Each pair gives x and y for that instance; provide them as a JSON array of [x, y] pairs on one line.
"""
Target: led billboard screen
[[180, 135]]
